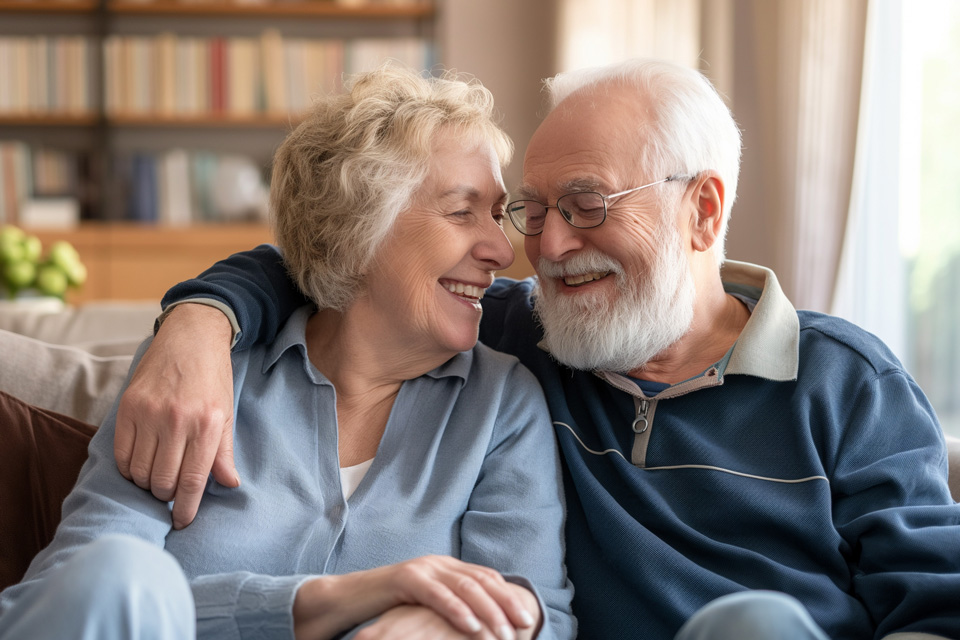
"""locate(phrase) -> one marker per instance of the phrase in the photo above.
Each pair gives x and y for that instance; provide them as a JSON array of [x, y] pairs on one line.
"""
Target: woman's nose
[[495, 248]]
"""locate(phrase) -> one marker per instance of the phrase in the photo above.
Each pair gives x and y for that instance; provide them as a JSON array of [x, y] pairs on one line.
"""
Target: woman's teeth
[[465, 290]]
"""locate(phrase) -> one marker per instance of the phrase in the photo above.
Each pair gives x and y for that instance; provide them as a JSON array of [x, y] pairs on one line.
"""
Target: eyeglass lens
[[583, 209]]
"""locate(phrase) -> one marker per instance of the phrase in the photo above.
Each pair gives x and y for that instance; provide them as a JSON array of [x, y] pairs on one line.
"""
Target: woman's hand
[[175, 419], [468, 597]]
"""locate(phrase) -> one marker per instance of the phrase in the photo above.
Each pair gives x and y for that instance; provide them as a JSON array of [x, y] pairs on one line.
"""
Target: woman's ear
[[707, 197]]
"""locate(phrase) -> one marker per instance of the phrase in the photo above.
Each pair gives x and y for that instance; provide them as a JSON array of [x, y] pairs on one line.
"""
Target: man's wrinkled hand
[[175, 419], [415, 622]]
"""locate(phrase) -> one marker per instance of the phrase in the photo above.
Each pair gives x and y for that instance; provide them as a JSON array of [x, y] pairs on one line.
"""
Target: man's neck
[[718, 320]]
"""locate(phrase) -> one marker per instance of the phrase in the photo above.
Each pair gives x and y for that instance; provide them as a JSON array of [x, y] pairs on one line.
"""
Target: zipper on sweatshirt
[[645, 408], [641, 423]]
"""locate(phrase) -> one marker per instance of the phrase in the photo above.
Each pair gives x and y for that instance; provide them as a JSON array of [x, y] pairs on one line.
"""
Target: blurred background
[[142, 130]]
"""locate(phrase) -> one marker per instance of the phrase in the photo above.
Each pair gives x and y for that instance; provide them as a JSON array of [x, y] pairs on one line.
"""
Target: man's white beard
[[624, 332]]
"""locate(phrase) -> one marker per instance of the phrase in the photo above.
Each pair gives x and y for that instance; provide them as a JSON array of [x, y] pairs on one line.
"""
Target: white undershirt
[[351, 477]]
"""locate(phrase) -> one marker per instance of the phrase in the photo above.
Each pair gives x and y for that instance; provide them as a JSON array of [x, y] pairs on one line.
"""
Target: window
[[929, 225], [900, 275]]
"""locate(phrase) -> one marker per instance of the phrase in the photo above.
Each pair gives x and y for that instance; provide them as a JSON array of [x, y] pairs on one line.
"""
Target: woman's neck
[[367, 366], [358, 353]]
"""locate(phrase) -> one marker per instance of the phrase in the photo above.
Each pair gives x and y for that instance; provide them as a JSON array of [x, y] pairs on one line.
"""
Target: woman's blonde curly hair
[[342, 177]]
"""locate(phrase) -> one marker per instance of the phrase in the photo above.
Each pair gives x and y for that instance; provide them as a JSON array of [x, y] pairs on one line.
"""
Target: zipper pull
[[640, 423]]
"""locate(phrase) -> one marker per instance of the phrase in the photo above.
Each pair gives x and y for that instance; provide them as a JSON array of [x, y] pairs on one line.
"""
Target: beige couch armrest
[[91, 325], [953, 455], [64, 379]]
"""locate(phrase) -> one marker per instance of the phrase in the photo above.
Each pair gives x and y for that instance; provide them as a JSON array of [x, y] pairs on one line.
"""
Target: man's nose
[[558, 237]]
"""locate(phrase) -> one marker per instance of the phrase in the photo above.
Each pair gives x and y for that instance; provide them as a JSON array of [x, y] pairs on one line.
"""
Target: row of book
[[169, 76], [33, 175], [179, 188], [15, 180], [42, 187], [47, 74]]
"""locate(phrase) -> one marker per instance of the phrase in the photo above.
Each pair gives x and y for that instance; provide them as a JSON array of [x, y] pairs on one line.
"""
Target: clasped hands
[[428, 597]]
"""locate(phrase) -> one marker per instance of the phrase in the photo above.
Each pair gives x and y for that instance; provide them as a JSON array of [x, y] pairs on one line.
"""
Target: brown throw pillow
[[41, 453]]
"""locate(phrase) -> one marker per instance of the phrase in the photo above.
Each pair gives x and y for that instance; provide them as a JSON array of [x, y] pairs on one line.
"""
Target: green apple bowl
[[26, 272]]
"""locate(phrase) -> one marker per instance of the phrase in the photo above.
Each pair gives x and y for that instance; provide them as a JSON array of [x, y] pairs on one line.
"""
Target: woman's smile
[[469, 293]]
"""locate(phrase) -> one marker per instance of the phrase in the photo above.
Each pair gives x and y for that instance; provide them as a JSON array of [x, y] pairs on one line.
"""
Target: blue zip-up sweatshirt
[[808, 462]]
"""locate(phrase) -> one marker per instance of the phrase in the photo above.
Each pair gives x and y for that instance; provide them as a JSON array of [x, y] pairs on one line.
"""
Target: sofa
[[61, 369]]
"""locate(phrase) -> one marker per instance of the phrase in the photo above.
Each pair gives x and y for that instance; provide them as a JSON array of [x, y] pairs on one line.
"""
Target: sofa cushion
[[67, 380], [95, 323], [40, 459]]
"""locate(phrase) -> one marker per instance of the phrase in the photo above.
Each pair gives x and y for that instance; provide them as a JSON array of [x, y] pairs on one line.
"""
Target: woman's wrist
[[315, 614], [326, 606]]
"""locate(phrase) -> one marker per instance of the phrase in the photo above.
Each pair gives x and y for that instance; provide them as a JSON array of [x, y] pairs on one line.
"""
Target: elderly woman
[[394, 470]]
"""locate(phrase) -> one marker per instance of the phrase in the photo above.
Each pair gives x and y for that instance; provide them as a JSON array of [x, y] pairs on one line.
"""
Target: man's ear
[[707, 197]]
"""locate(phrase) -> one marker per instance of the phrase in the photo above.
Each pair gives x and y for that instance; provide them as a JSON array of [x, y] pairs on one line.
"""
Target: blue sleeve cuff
[[245, 605]]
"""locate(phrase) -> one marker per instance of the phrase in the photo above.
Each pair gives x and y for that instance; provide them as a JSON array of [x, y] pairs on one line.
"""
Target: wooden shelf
[[49, 6], [223, 120], [128, 261], [48, 120], [313, 8]]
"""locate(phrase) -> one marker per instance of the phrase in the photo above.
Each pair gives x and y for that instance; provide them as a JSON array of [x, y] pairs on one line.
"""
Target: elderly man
[[733, 467]]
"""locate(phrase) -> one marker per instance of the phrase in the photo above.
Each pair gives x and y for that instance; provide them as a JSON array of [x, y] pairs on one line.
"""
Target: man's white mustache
[[589, 262]]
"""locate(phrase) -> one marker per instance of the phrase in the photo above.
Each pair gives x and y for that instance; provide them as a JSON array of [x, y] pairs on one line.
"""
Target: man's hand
[[413, 622], [175, 420]]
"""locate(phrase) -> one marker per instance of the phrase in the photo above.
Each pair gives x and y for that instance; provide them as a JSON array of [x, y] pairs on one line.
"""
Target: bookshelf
[[309, 8], [49, 6], [115, 90]]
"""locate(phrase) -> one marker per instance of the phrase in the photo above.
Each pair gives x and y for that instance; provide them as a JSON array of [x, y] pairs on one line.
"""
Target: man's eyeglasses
[[582, 209]]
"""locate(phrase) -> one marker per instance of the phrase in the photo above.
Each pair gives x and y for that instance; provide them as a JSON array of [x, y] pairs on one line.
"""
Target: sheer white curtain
[[900, 273], [828, 98], [871, 283]]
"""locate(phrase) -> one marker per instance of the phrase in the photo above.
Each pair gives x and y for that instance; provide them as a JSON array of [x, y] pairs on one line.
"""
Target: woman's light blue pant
[[752, 615], [118, 587]]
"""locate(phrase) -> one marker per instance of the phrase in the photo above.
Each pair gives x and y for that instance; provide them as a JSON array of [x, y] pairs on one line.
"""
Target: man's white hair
[[687, 126]]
